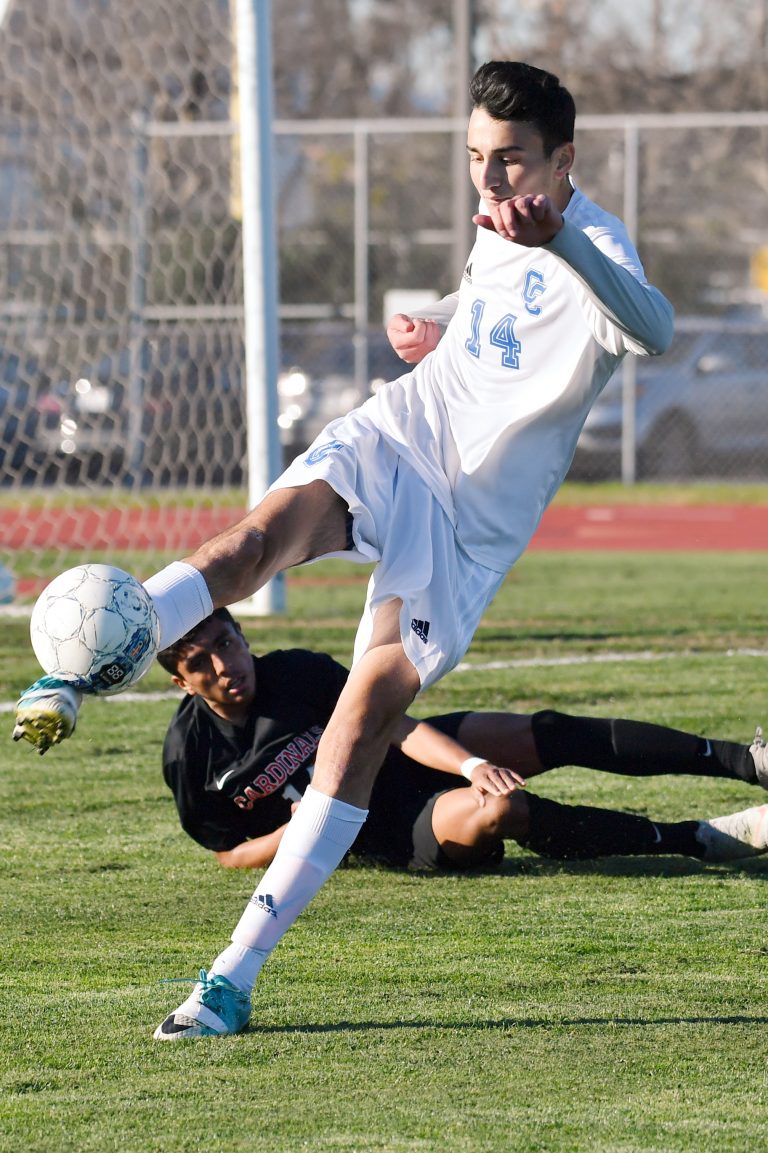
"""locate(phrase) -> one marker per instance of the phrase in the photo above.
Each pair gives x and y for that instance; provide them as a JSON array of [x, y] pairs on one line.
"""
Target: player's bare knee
[[503, 817]]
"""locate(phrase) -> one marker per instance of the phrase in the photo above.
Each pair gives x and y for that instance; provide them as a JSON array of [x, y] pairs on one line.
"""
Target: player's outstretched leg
[[214, 1008], [46, 713], [733, 837]]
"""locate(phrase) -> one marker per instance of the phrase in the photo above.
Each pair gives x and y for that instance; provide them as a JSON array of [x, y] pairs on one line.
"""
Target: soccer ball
[[96, 627]]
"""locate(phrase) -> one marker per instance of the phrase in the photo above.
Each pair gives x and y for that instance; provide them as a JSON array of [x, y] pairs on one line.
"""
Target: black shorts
[[398, 832]]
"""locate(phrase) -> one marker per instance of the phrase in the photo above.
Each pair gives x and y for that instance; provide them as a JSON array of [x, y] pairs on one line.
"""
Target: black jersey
[[232, 783]]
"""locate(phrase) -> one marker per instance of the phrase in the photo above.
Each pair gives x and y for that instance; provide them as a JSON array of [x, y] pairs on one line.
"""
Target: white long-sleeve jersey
[[491, 418]]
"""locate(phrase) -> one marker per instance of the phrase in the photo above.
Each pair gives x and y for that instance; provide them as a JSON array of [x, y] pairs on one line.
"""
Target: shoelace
[[202, 978], [759, 737], [212, 987], [51, 681]]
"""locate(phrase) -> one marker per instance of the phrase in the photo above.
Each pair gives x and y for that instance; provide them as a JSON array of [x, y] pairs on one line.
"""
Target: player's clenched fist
[[527, 220], [411, 338]]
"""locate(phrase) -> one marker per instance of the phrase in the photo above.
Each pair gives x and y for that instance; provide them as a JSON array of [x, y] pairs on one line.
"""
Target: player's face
[[219, 668], [506, 159]]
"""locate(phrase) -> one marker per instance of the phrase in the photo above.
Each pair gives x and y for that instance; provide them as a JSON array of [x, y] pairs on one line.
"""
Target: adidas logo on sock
[[421, 628], [265, 902]]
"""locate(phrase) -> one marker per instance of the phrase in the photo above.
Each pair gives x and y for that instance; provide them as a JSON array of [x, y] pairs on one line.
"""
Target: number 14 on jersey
[[501, 336]]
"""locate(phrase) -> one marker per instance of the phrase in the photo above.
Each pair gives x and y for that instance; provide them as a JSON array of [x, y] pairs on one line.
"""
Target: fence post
[[254, 58], [361, 259], [629, 370], [134, 446]]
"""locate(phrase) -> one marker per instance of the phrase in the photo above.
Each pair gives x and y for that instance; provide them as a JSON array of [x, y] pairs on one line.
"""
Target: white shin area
[[319, 834]]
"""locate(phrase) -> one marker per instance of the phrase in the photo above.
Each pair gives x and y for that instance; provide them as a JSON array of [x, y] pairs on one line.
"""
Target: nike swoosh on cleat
[[707, 748], [222, 780]]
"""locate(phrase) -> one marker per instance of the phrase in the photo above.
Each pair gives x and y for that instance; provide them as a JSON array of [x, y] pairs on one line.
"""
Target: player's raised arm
[[528, 220], [635, 309]]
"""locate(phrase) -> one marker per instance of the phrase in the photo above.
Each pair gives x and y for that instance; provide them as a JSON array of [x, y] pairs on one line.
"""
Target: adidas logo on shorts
[[421, 628]]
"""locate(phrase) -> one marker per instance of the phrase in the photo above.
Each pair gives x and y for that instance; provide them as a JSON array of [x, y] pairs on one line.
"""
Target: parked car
[[90, 437], [189, 390], [29, 408], [175, 417], [701, 408], [318, 380]]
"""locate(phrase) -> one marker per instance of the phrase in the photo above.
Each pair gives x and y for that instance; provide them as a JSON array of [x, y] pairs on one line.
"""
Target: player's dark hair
[[169, 658], [509, 90]]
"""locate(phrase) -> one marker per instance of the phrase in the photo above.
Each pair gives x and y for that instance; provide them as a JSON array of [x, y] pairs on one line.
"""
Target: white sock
[[240, 965], [181, 599], [319, 834]]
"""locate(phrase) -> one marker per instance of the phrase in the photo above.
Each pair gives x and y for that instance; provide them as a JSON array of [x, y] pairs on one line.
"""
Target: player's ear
[[182, 684], [564, 157]]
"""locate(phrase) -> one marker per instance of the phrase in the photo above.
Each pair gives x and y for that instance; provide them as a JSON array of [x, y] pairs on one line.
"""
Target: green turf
[[617, 1007]]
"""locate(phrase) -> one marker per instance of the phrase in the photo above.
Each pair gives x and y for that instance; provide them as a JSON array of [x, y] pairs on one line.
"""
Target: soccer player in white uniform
[[441, 479]]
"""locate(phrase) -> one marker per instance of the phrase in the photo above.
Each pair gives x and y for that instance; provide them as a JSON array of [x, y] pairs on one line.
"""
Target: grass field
[[615, 1007]]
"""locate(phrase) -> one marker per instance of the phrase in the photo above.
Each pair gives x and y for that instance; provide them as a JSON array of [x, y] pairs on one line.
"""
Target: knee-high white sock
[[181, 599], [319, 834]]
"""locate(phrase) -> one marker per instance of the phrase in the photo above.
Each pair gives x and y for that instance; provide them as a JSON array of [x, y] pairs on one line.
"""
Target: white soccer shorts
[[399, 523]]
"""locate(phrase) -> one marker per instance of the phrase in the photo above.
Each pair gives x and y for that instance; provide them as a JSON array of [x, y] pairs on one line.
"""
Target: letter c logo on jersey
[[322, 451], [534, 287]]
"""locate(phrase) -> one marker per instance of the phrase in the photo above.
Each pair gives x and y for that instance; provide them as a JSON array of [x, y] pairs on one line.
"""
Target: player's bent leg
[[469, 826], [504, 739], [637, 748], [289, 526]]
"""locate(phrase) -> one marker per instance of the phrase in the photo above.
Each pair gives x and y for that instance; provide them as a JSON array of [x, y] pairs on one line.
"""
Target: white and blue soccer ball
[[95, 626]]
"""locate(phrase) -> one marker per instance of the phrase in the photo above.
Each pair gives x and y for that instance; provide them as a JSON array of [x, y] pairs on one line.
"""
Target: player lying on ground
[[440, 479], [239, 751]]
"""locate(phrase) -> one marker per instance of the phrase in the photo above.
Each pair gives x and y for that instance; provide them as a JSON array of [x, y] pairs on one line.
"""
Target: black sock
[[581, 833], [635, 748]]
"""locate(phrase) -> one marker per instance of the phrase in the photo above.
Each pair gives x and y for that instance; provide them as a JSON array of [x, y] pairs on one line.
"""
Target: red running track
[[645, 528], [608, 527]]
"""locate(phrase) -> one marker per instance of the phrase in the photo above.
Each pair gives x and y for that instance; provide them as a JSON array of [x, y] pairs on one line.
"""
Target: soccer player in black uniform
[[239, 752]]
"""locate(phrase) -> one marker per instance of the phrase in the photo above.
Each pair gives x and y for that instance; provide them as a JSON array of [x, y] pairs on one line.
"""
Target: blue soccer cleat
[[46, 713], [215, 1008]]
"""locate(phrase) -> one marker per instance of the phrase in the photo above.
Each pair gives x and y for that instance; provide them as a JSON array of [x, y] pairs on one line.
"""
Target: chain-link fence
[[121, 329], [121, 323]]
